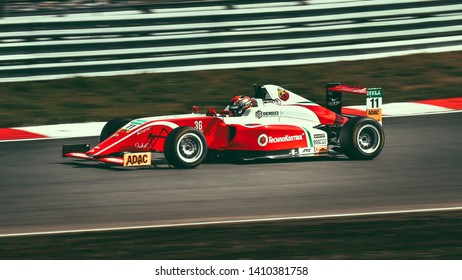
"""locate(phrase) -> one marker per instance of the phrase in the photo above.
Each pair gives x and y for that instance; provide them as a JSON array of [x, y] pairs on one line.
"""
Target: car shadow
[[156, 164], [161, 163], [238, 161]]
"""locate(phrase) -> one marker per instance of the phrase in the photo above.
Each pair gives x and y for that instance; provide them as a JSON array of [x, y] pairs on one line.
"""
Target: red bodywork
[[149, 134]]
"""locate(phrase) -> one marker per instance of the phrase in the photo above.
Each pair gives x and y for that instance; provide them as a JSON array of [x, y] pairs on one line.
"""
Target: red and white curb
[[56, 131], [424, 107]]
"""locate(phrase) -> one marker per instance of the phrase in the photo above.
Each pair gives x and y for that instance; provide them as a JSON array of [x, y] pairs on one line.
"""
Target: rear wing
[[373, 99]]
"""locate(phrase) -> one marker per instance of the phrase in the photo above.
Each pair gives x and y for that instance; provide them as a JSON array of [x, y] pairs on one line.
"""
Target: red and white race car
[[274, 123]]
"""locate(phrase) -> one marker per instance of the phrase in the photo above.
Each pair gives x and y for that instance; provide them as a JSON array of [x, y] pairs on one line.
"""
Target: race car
[[273, 123]]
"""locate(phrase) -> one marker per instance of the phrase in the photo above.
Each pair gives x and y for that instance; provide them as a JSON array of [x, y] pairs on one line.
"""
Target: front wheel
[[362, 138], [185, 147]]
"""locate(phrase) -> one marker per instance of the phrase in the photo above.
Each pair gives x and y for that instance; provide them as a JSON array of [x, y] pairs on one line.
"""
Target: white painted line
[[258, 220]]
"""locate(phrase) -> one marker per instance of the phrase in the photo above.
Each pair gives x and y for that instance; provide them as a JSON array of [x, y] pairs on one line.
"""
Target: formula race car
[[274, 123]]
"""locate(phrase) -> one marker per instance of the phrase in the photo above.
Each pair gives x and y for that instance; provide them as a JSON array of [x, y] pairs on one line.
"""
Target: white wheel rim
[[368, 139], [189, 147]]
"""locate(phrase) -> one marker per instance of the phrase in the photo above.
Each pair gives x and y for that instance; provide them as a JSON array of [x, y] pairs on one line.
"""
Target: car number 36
[[198, 125]]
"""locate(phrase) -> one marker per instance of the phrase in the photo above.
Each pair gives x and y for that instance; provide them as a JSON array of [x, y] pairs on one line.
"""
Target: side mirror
[[211, 112]]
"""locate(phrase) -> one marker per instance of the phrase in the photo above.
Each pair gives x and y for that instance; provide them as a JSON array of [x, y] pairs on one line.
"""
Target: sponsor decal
[[320, 142], [138, 122], [293, 152], [264, 139], [141, 146], [319, 136], [375, 114], [132, 125], [371, 112], [137, 159], [143, 131], [304, 151], [259, 114], [286, 138], [374, 92], [321, 149], [283, 94], [334, 102]]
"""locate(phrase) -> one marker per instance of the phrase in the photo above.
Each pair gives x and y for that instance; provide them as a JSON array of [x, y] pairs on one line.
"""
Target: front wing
[[126, 159]]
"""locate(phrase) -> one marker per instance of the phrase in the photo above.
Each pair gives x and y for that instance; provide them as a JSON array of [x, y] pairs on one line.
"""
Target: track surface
[[420, 167]]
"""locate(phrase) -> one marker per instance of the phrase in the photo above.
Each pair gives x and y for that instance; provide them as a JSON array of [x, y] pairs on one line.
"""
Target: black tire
[[362, 138], [111, 127], [185, 147]]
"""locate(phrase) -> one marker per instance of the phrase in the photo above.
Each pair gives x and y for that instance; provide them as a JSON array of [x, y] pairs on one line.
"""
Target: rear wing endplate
[[373, 99]]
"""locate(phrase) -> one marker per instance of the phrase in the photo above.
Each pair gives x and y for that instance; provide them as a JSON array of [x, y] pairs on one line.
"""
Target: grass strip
[[406, 236]]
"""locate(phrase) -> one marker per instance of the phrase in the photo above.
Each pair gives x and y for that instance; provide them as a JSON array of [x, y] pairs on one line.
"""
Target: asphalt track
[[420, 167]]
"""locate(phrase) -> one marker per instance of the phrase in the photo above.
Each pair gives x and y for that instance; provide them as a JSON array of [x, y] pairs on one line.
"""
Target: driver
[[239, 104]]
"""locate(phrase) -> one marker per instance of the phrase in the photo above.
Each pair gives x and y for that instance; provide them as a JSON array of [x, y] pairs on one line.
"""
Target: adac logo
[[283, 94], [263, 140], [137, 159]]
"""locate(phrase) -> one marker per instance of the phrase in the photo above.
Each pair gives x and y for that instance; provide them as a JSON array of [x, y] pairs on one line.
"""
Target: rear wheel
[[112, 126], [185, 147], [362, 138]]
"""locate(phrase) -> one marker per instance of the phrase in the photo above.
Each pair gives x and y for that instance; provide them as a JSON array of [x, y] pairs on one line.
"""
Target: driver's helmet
[[239, 104]]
